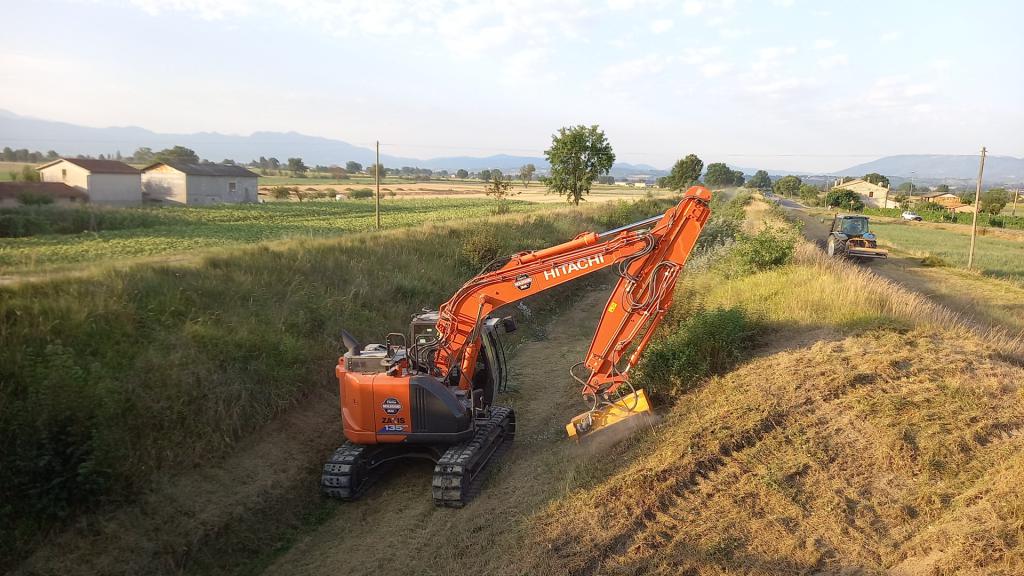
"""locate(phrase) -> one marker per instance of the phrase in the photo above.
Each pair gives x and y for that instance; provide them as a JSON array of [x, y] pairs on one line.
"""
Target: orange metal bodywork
[[363, 413]]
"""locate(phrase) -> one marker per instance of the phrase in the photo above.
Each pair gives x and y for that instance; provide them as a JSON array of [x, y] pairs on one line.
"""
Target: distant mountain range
[[70, 139], [944, 167]]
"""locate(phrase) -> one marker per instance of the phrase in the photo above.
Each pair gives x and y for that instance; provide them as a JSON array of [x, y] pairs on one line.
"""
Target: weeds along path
[[984, 301], [396, 529]]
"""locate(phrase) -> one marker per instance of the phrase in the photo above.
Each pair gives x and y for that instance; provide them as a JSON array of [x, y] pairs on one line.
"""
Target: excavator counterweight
[[431, 393]]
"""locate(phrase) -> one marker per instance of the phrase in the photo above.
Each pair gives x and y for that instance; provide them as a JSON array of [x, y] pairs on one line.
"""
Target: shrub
[[933, 261], [768, 248], [281, 192], [705, 343], [809, 195], [480, 246], [359, 193], [33, 199]]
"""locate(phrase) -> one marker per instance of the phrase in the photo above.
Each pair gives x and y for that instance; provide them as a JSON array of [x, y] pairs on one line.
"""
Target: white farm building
[[105, 181], [192, 184]]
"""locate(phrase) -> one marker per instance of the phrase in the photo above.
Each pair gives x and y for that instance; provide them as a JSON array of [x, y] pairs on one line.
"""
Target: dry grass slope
[[862, 454], [891, 439]]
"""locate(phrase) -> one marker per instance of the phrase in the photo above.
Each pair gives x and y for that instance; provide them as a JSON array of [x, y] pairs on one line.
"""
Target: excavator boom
[[648, 256]]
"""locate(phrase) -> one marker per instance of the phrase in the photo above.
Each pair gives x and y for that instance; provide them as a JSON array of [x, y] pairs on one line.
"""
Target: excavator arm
[[648, 256]]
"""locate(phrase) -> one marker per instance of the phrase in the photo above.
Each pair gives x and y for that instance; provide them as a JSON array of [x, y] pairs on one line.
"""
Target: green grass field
[[7, 167], [176, 231], [994, 256]]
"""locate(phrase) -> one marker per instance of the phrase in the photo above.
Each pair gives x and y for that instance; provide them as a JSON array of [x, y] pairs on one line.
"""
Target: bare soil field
[[535, 192]]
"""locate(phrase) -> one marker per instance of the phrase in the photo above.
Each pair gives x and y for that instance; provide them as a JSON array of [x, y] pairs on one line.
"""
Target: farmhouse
[[873, 195], [192, 184], [17, 193], [105, 181], [944, 199]]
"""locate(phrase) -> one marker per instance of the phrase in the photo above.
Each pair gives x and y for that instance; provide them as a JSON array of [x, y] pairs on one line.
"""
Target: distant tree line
[[23, 155]]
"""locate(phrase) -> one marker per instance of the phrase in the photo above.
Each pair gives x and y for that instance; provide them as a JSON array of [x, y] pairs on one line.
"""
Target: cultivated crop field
[[149, 232]]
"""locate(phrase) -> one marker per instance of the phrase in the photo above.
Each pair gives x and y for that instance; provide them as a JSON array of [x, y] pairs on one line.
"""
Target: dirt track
[[396, 527]]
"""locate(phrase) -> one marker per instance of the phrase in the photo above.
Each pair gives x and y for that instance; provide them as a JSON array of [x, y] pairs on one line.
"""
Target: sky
[[782, 84]]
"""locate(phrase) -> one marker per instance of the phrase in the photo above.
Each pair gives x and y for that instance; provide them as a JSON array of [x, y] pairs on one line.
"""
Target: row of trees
[[23, 155]]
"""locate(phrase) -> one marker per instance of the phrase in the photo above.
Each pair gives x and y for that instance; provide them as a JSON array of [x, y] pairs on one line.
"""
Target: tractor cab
[[851, 236]]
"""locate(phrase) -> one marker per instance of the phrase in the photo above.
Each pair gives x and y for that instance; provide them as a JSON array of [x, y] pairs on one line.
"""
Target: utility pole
[[1016, 192], [885, 203], [376, 174], [977, 199]]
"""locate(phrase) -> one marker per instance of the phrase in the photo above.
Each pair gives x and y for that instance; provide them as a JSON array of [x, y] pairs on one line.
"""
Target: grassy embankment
[[872, 431], [112, 379], [48, 239], [930, 258]]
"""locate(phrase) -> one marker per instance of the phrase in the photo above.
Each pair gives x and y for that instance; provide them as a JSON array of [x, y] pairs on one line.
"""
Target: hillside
[[998, 169]]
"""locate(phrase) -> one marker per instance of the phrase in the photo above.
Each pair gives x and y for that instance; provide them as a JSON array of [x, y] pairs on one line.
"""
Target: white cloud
[[692, 7], [824, 43], [891, 36], [661, 26], [784, 3], [699, 56], [621, 4], [205, 9], [833, 61], [632, 70], [714, 69], [733, 33]]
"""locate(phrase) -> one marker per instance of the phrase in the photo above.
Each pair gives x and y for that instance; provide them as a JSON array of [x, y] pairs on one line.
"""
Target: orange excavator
[[432, 395]]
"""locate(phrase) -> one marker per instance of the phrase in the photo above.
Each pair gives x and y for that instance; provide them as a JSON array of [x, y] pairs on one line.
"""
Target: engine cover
[[417, 409]]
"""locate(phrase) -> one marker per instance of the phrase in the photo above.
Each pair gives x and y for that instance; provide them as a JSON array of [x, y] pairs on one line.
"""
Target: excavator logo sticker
[[391, 406], [569, 268], [523, 281]]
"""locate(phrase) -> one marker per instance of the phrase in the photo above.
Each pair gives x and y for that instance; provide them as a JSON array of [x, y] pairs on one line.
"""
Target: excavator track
[[459, 472], [346, 475]]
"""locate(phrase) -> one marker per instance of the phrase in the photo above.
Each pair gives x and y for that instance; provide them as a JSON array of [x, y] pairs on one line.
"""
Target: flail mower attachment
[[628, 410]]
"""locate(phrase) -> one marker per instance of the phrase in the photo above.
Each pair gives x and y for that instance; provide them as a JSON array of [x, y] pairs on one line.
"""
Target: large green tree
[[787, 185], [353, 167], [843, 198], [876, 178], [760, 181], [993, 201], [685, 172], [578, 155], [297, 166], [720, 175], [175, 154]]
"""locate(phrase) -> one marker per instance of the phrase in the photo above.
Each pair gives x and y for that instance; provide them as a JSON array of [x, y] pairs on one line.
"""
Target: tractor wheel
[[836, 247]]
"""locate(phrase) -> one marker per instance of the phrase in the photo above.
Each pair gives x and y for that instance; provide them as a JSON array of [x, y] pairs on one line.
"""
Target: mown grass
[[1002, 220], [108, 380], [994, 256], [122, 234]]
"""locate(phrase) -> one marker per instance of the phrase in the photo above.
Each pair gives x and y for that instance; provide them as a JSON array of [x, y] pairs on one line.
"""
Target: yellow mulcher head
[[632, 408]]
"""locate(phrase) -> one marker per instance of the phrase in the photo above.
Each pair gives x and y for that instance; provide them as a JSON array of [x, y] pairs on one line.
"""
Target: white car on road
[[908, 215]]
